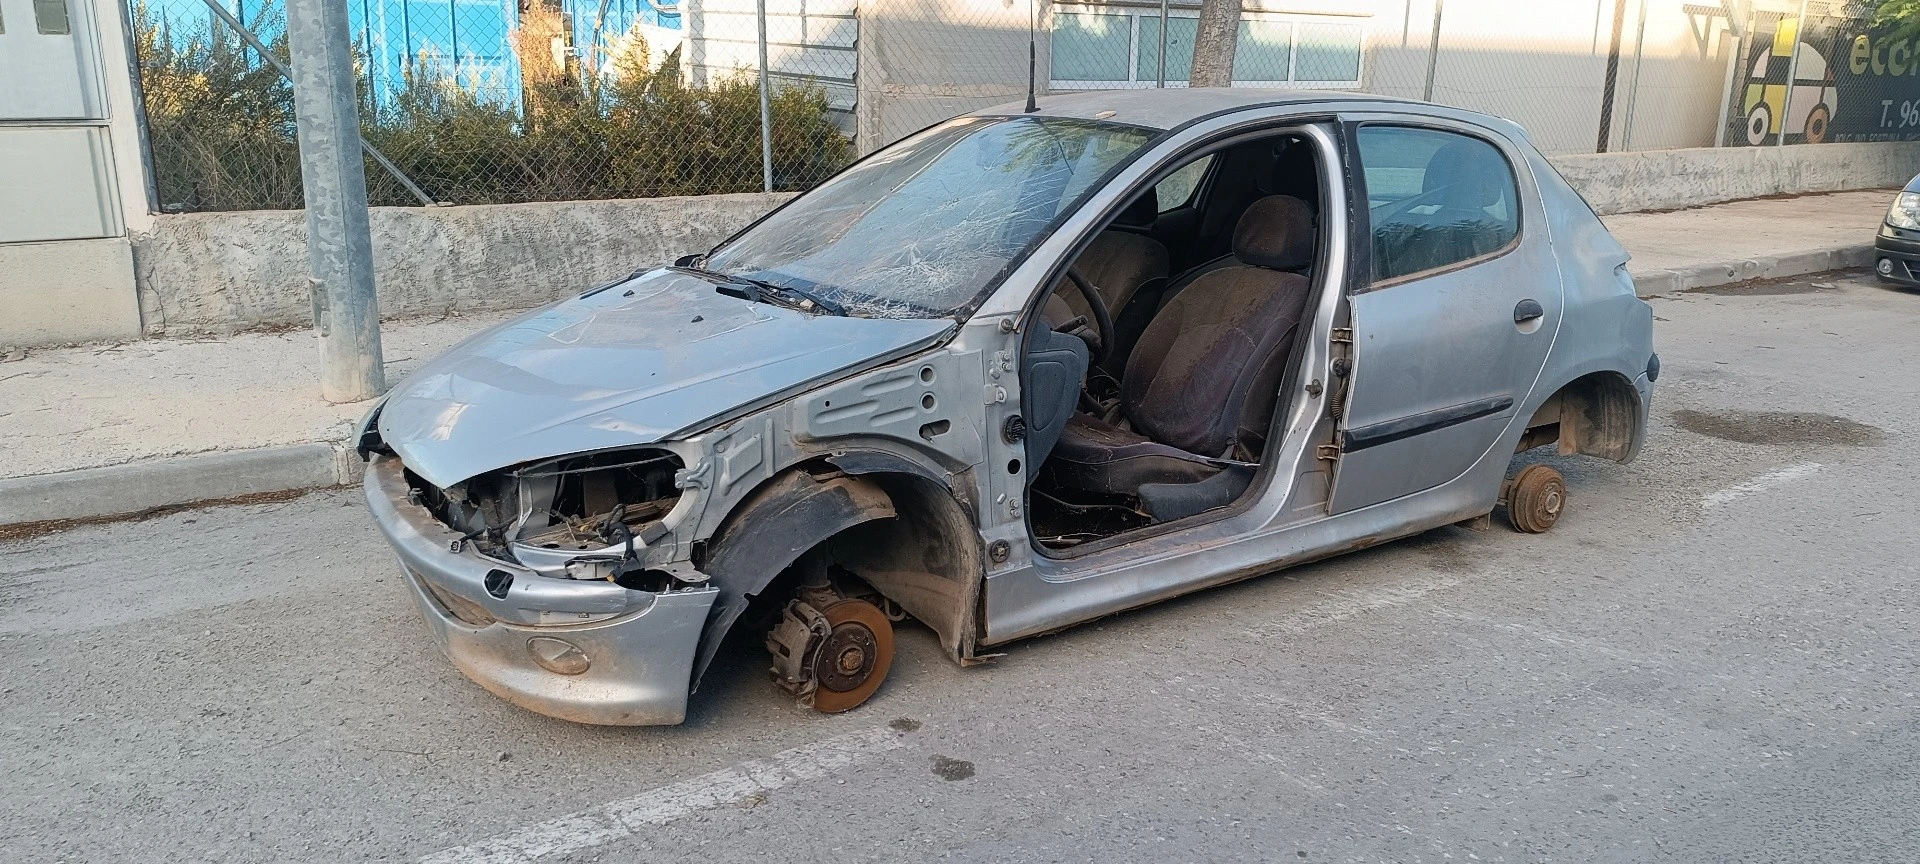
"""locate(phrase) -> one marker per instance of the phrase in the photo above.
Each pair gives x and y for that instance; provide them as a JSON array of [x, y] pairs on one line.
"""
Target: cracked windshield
[[922, 228]]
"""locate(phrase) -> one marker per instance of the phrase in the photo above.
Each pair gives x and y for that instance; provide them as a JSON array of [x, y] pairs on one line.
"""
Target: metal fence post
[[1433, 49], [1737, 29], [1612, 79], [1793, 72], [1633, 88], [1160, 74], [333, 178], [766, 112]]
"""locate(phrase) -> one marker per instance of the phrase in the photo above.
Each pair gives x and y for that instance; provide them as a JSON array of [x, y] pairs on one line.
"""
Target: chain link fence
[[478, 103], [499, 101]]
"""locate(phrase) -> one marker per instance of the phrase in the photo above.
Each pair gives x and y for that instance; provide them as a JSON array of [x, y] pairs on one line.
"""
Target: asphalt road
[[1714, 657]]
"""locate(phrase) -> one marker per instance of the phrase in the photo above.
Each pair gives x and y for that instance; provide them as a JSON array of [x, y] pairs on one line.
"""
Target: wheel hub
[[833, 655], [847, 658]]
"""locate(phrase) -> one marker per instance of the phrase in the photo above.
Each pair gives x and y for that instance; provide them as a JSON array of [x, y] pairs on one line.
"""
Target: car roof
[[1170, 107]]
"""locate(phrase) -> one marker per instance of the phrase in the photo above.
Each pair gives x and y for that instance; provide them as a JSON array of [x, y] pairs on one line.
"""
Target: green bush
[[221, 126], [219, 121]]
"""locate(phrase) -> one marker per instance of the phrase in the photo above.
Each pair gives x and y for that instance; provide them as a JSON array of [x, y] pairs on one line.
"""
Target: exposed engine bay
[[577, 517]]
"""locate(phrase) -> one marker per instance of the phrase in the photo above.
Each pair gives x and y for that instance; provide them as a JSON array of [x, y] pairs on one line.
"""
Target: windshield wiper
[[795, 296], [762, 291]]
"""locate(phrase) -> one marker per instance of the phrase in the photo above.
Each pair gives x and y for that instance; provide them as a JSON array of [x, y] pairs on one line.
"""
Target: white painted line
[[1340, 605], [1759, 484], [608, 822]]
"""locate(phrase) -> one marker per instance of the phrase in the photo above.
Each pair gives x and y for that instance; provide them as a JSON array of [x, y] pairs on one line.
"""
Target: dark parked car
[[1896, 251]]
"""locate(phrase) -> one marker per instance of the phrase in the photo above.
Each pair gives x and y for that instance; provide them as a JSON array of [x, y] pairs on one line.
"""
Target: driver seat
[[1199, 389]]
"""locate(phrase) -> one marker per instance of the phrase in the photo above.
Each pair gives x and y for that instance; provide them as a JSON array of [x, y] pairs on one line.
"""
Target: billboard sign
[[1829, 78]]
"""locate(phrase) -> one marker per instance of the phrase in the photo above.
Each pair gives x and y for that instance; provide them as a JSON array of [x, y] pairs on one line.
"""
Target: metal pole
[[1793, 71], [339, 242], [1612, 80], [766, 110], [1160, 76], [286, 73], [1736, 38], [1433, 48], [1633, 88]]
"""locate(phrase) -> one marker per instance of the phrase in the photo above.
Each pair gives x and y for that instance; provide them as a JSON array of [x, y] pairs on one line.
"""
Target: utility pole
[[339, 242]]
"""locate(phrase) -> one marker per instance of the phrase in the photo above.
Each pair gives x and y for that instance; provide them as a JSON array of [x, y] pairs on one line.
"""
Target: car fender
[[771, 528]]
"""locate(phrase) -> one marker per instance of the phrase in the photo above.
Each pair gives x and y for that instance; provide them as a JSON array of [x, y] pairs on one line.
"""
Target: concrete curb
[[1653, 282], [117, 490]]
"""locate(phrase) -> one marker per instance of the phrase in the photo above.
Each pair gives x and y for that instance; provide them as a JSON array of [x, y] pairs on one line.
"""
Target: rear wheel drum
[[1536, 499]]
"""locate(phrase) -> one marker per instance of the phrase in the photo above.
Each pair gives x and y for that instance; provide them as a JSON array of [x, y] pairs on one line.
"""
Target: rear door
[[1455, 304]]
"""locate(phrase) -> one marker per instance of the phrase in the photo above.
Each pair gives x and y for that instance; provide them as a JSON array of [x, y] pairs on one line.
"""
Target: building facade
[[72, 185]]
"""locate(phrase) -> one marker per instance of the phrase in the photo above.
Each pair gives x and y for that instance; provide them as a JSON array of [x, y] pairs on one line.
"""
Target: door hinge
[[1343, 335], [1329, 452]]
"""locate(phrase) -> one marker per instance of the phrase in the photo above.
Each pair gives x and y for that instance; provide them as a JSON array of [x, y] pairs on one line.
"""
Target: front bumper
[[1896, 259], [638, 646]]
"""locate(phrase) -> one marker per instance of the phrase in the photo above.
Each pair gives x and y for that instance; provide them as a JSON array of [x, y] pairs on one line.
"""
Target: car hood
[[626, 365]]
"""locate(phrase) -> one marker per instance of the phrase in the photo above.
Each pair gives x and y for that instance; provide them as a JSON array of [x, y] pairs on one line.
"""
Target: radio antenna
[[1032, 106]]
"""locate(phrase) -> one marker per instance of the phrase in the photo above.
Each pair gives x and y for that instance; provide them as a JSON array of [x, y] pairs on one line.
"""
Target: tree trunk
[[1213, 44]]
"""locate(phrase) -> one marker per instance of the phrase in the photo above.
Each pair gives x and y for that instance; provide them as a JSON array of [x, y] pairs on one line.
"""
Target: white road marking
[[608, 822], [1759, 484]]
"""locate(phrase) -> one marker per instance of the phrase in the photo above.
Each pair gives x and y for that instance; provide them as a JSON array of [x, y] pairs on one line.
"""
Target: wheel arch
[[782, 519], [904, 529], [1595, 414], [928, 559]]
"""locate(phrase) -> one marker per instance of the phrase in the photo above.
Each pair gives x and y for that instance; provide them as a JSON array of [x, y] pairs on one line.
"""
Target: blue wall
[[467, 39]]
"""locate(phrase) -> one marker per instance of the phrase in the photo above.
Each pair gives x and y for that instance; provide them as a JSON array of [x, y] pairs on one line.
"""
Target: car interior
[[1150, 394]]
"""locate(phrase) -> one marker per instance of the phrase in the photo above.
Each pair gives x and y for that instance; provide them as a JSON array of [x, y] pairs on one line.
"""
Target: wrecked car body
[[1015, 372]]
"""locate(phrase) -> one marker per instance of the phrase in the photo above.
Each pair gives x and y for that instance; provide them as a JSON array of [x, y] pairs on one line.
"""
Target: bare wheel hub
[[1536, 498], [831, 652], [846, 659]]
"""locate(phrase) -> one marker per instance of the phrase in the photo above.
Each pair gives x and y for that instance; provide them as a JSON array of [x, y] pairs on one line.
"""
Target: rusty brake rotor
[[853, 659]]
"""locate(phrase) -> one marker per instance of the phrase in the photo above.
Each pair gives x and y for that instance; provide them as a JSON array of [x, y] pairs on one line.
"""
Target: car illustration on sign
[[1770, 108]]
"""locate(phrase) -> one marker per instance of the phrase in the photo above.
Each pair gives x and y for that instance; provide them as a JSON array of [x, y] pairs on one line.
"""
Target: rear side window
[[1435, 198]]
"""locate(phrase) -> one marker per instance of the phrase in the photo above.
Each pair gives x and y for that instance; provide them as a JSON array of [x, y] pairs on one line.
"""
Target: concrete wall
[[67, 291], [222, 272], [233, 271], [923, 61], [1670, 179], [1542, 64]]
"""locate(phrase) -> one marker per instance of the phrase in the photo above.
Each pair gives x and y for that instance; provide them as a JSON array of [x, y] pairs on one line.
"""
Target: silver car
[[1018, 371]]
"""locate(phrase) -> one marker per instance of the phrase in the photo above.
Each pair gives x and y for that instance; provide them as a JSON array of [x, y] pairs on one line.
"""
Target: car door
[[1456, 300]]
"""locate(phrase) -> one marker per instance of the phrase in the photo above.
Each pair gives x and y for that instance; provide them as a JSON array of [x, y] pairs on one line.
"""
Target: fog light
[[1885, 267], [558, 655]]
